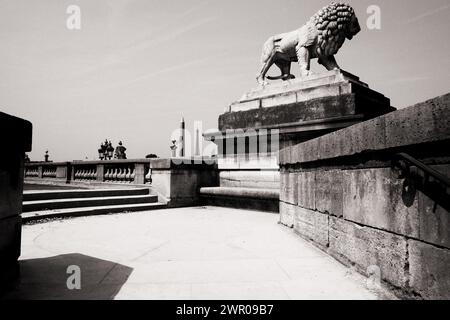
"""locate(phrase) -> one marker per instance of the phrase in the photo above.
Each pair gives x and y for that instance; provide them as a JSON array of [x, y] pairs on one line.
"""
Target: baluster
[[148, 176], [133, 174], [107, 174], [121, 176], [128, 175], [114, 176]]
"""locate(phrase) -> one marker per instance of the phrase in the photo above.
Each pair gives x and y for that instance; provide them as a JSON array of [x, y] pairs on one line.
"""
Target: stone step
[[86, 202], [242, 198], [92, 193], [89, 211]]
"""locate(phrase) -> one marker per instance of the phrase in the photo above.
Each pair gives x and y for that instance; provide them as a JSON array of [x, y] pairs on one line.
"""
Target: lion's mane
[[332, 23]]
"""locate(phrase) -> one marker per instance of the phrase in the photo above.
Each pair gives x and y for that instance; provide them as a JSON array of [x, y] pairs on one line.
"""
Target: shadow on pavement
[[47, 278]]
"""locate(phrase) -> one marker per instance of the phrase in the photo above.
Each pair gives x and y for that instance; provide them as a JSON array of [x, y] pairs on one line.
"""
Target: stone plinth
[[268, 119], [311, 102], [16, 134]]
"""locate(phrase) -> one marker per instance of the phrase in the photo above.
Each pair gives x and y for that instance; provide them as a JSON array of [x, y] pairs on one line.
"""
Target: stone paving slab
[[184, 253]]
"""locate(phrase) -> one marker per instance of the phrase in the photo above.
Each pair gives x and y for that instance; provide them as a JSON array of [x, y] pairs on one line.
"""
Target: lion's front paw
[[305, 73]]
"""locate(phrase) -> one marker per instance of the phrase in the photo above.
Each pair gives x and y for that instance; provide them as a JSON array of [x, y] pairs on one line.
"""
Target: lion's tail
[[275, 78]]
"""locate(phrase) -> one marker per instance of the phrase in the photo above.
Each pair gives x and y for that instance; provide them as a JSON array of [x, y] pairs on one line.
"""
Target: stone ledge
[[425, 122]]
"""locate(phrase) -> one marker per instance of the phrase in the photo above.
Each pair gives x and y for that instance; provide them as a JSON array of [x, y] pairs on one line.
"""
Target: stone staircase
[[39, 205]]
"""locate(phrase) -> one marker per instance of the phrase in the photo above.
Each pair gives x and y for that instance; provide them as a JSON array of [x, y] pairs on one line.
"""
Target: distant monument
[[120, 152], [181, 142], [46, 156], [173, 148], [321, 37], [105, 152]]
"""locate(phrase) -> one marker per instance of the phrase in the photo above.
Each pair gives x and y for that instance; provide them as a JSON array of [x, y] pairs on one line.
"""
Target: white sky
[[137, 66]]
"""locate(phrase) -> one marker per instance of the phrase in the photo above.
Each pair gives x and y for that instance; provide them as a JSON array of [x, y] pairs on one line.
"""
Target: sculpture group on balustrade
[[107, 151]]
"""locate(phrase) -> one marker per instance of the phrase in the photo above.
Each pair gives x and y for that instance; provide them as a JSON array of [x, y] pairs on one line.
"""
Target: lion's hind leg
[[267, 59], [285, 67], [264, 68]]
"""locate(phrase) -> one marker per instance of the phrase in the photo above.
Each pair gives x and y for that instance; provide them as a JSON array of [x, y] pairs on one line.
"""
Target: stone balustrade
[[176, 182]]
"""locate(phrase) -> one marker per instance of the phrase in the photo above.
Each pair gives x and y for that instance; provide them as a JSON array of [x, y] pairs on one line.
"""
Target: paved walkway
[[188, 253]]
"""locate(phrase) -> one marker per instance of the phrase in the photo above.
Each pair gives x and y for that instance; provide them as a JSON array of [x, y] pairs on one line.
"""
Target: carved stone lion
[[321, 37]]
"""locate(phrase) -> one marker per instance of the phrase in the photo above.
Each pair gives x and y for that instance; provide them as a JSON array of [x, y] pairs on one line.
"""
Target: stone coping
[[425, 122]]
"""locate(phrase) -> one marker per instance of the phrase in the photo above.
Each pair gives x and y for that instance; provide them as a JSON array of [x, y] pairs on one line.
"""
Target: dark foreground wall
[[340, 192], [16, 140]]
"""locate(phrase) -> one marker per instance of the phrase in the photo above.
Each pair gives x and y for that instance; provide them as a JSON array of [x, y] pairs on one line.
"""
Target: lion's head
[[334, 23], [353, 28]]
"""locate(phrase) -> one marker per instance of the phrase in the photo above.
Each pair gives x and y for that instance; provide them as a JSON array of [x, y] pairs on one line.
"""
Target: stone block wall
[[340, 192]]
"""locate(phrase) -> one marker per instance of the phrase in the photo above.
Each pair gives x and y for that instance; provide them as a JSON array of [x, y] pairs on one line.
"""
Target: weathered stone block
[[311, 225], [284, 155], [373, 197], [287, 214], [364, 246], [429, 270], [279, 100], [284, 176], [306, 195], [244, 106], [288, 189], [424, 122], [293, 188], [328, 192], [314, 109]]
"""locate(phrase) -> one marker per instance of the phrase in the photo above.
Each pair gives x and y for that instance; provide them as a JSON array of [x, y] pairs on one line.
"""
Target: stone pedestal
[[267, 119], [16, 140]]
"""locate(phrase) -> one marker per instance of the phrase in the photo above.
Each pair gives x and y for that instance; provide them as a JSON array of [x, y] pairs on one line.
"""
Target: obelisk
[[181, 142]]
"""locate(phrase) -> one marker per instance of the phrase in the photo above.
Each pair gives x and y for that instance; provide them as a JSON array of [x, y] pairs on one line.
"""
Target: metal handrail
[[433, 183], [427, 169]]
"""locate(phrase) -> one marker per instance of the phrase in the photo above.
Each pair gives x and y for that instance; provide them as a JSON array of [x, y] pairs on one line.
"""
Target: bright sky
[[137, 66]]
